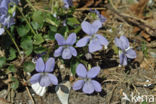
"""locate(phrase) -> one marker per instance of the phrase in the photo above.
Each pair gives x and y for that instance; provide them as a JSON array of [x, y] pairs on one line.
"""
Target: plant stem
[[14, 42], [31, 5], [27, 21], [52, 6]]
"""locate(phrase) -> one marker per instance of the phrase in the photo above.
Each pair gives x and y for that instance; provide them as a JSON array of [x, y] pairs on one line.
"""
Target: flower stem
[[32, 30], [14, 42]]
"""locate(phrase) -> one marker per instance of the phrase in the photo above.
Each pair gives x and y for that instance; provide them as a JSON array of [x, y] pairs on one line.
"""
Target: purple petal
[[83, 42], [97, 12], [88, 87], [81, 71], [97, 24], [125, 42], [91, 29], [1, 31], [4, 7], [40, 65], [8, 21], [60, 39], [71, 39], [102, 18], [123, 59], [66, 53], [67, 3], [45, 81], [78, 84], [35, 78], [73, 51], [118, 43], [131, 53], [102, 39], [50, 64], [86, 27], [97, 86], [58, 51], [94, 45], [93, 72], [53, 79]]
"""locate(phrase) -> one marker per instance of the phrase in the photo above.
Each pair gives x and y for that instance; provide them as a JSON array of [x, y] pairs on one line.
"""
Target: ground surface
[[137, 21]]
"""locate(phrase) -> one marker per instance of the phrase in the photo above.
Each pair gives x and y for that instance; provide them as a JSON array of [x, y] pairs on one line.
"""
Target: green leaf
[[53, 21], [15, 83], [39, 50], [38, 39], [76, 30], [27, 45], [12, 68], [12, 54], [116, 50], [38, 17], [73, 65], [51, 35], [23, 30], [144, 102], [36, 25], [29, 66], [62, 30], [2, 61], [53, 28], [72, 21]]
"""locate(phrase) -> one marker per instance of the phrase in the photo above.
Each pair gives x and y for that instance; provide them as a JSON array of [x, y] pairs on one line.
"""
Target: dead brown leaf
[[88, 3], [139, 7], [138, 10]]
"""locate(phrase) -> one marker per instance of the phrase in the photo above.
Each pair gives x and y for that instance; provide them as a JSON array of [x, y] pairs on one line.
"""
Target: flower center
[[87, 79], [44, 74]]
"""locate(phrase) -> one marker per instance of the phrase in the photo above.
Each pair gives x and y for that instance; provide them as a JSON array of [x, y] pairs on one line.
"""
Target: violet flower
[[44, 77], [6, 20], [126, 50], [65, 46], [101, 17], [96, 41], [4, 7], [67, 3], [87, 83]]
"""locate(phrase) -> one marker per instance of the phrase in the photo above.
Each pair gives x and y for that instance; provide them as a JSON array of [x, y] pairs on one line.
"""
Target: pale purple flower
[[96, 41], [65, 46], [44, 77], [126, 50], [8, 21], [101, 17], [67, 3], [87, 83], [4, 7]]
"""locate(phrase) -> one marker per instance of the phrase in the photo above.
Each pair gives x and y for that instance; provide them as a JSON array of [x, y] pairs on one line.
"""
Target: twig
[[112, 94], [83, 9], [109, 80], [133, 20], [135, 88], [29, 93]]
